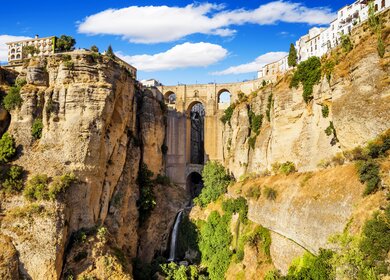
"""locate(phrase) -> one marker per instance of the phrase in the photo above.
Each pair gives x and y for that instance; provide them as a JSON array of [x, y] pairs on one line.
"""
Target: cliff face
[[88, 106], [357, 96]]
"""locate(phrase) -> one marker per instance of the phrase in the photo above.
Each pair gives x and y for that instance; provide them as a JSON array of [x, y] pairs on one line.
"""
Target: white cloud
[[155, 24], [4, 48], [253, 66], [180, 56]]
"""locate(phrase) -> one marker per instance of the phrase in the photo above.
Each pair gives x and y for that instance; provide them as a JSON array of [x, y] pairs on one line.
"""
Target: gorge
[[279, 185]]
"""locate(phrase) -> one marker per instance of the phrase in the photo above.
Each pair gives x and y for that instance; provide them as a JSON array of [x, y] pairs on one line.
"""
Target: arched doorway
[[194, 184], [224, 97], [170, 97], [197, 118]]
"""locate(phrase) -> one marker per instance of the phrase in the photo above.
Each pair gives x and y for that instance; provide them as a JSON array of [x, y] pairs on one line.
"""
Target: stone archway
[[196, 117], [194, 184], [170, 97], [224, 97]]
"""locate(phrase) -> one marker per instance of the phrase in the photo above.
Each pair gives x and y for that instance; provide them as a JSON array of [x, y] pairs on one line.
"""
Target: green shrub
[[270, 193], [308, 73], [94, 49], [162, 180], [272, 275], [379, 146], [214, 243], [369, 173], [234, 206], [269, 107], [325, 111], [357, 153], [147, 199], [227, 114], [65, 43], [20, 82], [187, 238], [260, 238], [331, 130], [13, 182], [60, 184], [216, 181], [312, 267], [287, 168], [255, 122], [381, 47], [253, 192], [327, 68], [13, 99], [7, 148], [375, 243], [69, 64], [252, 142], [37, 188], [36, 129], [346, 43], [172, 271]]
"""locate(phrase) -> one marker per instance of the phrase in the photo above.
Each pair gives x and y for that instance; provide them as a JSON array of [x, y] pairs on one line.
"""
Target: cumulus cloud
[[252, 66], [180, 56], [155, 24], [4, 48]]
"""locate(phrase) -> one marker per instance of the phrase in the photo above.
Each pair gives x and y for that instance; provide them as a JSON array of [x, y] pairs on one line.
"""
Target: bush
[[253, 192], [260, 238], [327, 68], [255, 122], [215, 239], [20, 82], [308, 73], [147, 199], [270, 193], [325, 111], [94, 49], [13, 99], [346, 43], [381, 47], [172, 271], [187, 238], [252, 142], [234, 206], [312, 267], [287, 168], [357, 153], [269, 107], [375, 243], [37, 188], [162, 180], [60, 184], [227, 114], [369, 173], [14, 180], [69, 64], [36, 129], [331, 130], [216, 181], [379, 146], [65, 43], [7, 148]]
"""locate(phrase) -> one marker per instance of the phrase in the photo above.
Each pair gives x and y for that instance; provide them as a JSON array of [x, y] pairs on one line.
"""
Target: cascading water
[[175, 232]]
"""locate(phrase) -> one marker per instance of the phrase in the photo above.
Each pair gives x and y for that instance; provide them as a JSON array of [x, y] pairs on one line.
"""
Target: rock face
[[96, 124], [357, 95], [9, 263]]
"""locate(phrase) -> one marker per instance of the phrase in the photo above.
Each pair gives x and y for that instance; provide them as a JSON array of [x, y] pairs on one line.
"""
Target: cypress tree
[[292, 56]]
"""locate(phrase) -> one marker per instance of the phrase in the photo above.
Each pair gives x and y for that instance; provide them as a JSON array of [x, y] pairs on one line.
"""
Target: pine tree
[[110, 52], [292, 56]]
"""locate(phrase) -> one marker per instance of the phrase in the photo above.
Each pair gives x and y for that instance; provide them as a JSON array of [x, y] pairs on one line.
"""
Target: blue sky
[[174, 41]]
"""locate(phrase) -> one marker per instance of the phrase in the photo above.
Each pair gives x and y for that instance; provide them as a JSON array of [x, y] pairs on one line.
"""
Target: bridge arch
[[196, 113], [224, 97], [170, 97], [194, 184]]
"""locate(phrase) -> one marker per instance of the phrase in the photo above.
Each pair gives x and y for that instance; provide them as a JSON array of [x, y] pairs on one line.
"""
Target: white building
[[43, 46], [270, 71], [150, 83]]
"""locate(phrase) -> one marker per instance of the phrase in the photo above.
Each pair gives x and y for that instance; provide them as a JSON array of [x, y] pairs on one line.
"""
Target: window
[[383, 3], [376, 7]]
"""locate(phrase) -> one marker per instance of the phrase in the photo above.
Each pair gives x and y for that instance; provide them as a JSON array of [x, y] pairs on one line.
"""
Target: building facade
[[320, 41], [271, 71], [43, 46]]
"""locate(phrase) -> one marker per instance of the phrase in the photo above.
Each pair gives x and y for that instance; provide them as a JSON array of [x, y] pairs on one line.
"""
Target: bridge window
[[18, 56], [224, 97], [194, 184], [197, 114], [170, 97]]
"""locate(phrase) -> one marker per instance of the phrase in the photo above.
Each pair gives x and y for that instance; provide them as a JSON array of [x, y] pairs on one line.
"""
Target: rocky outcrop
[[94, 122], [357, 95], [9, 263]]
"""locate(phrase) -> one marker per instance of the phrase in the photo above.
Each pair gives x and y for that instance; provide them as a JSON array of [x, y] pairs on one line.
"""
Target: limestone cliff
[[98, 125], [357, 96]]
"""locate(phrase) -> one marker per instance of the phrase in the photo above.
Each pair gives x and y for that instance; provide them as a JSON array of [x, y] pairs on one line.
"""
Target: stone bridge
[[181, 99]]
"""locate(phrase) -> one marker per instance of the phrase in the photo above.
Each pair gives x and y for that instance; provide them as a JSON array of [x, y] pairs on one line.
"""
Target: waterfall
[[175, 231]]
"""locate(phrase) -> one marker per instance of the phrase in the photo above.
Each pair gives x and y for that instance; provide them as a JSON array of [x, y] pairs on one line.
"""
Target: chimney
[[36, 36]]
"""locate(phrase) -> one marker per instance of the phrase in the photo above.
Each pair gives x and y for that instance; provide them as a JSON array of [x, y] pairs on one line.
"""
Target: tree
[[65, 43], [29, 50], [292, 56], [110, 52], [7, 148], [94, 49]]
